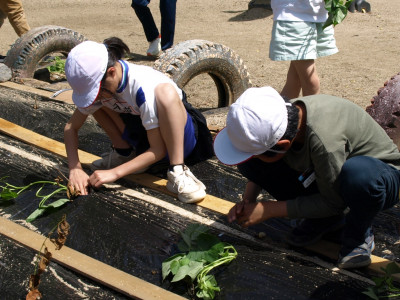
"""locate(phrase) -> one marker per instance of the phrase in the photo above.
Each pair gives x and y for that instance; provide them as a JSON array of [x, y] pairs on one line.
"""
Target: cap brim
[[226, 152], [86, 99]]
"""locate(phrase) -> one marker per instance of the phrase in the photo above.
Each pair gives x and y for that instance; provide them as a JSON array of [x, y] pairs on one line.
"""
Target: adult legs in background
[[168, 17], [14, 11], [146, 18]]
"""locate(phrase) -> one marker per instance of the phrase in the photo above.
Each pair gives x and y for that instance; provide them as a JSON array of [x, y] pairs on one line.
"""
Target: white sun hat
[[255, 123], [85, 66]]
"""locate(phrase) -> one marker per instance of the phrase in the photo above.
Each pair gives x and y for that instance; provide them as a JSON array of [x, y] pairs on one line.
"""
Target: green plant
[[337, 11], [202, 252], [384, 287], [57, 65], [10, 192]]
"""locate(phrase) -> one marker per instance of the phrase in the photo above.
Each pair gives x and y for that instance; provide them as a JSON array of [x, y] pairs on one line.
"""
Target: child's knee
[[166, 95]]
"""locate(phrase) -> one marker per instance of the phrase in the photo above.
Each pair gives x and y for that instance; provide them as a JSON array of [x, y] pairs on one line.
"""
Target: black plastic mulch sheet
[[135, 236]]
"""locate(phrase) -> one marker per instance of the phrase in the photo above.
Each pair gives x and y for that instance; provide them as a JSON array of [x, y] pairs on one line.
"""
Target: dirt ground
[[368, 42]]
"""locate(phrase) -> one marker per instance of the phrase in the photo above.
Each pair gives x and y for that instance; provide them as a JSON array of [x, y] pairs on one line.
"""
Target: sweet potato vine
[[10, 192], [201, 253]]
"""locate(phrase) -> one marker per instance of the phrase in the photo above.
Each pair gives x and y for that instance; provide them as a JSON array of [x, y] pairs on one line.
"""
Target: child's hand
[[252, 213], [236, 211], [100, 177], [247, 213], [80, 180]]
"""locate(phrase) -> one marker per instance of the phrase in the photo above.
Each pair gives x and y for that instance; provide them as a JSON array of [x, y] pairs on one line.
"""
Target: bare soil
[[368, 42]]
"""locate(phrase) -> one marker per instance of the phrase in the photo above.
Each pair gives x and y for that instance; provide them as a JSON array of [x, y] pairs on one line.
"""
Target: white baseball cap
[[255, 123], [85, 66]]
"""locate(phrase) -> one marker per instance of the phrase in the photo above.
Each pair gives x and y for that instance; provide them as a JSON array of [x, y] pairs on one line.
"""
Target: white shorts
[[298, 40]]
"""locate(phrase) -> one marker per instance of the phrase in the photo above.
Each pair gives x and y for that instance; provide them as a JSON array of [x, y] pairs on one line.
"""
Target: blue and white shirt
[[135, 94]]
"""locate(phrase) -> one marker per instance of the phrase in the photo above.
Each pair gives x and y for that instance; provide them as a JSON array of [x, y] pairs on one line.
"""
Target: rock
[[262, 235], [385, 108], [5, 73]]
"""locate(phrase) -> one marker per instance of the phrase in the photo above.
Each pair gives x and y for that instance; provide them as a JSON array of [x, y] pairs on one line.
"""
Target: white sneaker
[[154, 47], [112, 159], [182, 182]]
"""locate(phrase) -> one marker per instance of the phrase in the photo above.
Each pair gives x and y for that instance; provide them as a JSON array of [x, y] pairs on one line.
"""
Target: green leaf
[[190, 235], [209, 250], [370, 292], [392, 268], [166, 265], [337, 11], [58, 203], [41, 210], [207, 287], [58, 65], [7, 195], [38, 212], [204, 252], [175, 265], [192, 270]]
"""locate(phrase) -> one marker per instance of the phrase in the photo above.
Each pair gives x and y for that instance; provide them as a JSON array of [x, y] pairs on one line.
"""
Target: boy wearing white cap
[[319, 156], [108, 87]]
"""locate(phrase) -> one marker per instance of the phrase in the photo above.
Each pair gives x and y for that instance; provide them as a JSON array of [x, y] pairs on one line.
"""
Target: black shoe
[[311, 231]]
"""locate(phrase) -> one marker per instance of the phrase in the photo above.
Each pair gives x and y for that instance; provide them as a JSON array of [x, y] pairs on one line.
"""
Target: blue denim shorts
[[298, 40]]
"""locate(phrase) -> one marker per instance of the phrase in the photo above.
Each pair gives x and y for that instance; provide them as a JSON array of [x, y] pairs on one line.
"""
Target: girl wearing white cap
[[106, 86]]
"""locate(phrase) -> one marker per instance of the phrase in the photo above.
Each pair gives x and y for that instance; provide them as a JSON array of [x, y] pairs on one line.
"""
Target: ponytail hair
[[116, 49]]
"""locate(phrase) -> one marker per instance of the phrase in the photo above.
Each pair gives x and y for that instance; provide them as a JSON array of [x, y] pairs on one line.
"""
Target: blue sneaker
[[358, 257], [311, 231]]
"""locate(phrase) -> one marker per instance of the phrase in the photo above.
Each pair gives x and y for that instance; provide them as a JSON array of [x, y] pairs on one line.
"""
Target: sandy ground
[[368, 42]]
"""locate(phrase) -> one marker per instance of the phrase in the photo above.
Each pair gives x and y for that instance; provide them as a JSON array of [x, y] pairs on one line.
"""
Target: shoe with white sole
[[182, 182], [358, 257], [155, 47]]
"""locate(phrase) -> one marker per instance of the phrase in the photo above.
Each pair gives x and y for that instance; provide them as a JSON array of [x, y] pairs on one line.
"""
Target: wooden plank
[[65, 97], [331, 250], [118, 280], [210, 202], [32, 138], [150, 181]]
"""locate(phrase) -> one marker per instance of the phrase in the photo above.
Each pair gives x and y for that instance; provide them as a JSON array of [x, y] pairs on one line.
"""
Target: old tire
[[385, 108], [188, 59], [26, 53]]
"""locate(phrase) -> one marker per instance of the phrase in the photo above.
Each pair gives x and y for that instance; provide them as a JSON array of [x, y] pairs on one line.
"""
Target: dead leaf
[[34, 295], [72, 192], [62, 231], [44, 261], [34, 281]]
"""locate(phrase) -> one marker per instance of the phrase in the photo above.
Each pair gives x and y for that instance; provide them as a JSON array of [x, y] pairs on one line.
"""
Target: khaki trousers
[[14, 11]]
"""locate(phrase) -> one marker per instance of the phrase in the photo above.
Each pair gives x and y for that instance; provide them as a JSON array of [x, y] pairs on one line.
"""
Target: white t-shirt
[[137, 97], [299, 10]]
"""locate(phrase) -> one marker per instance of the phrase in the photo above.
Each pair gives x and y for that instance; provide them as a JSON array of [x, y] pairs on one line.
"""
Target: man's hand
[[80, 180]]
